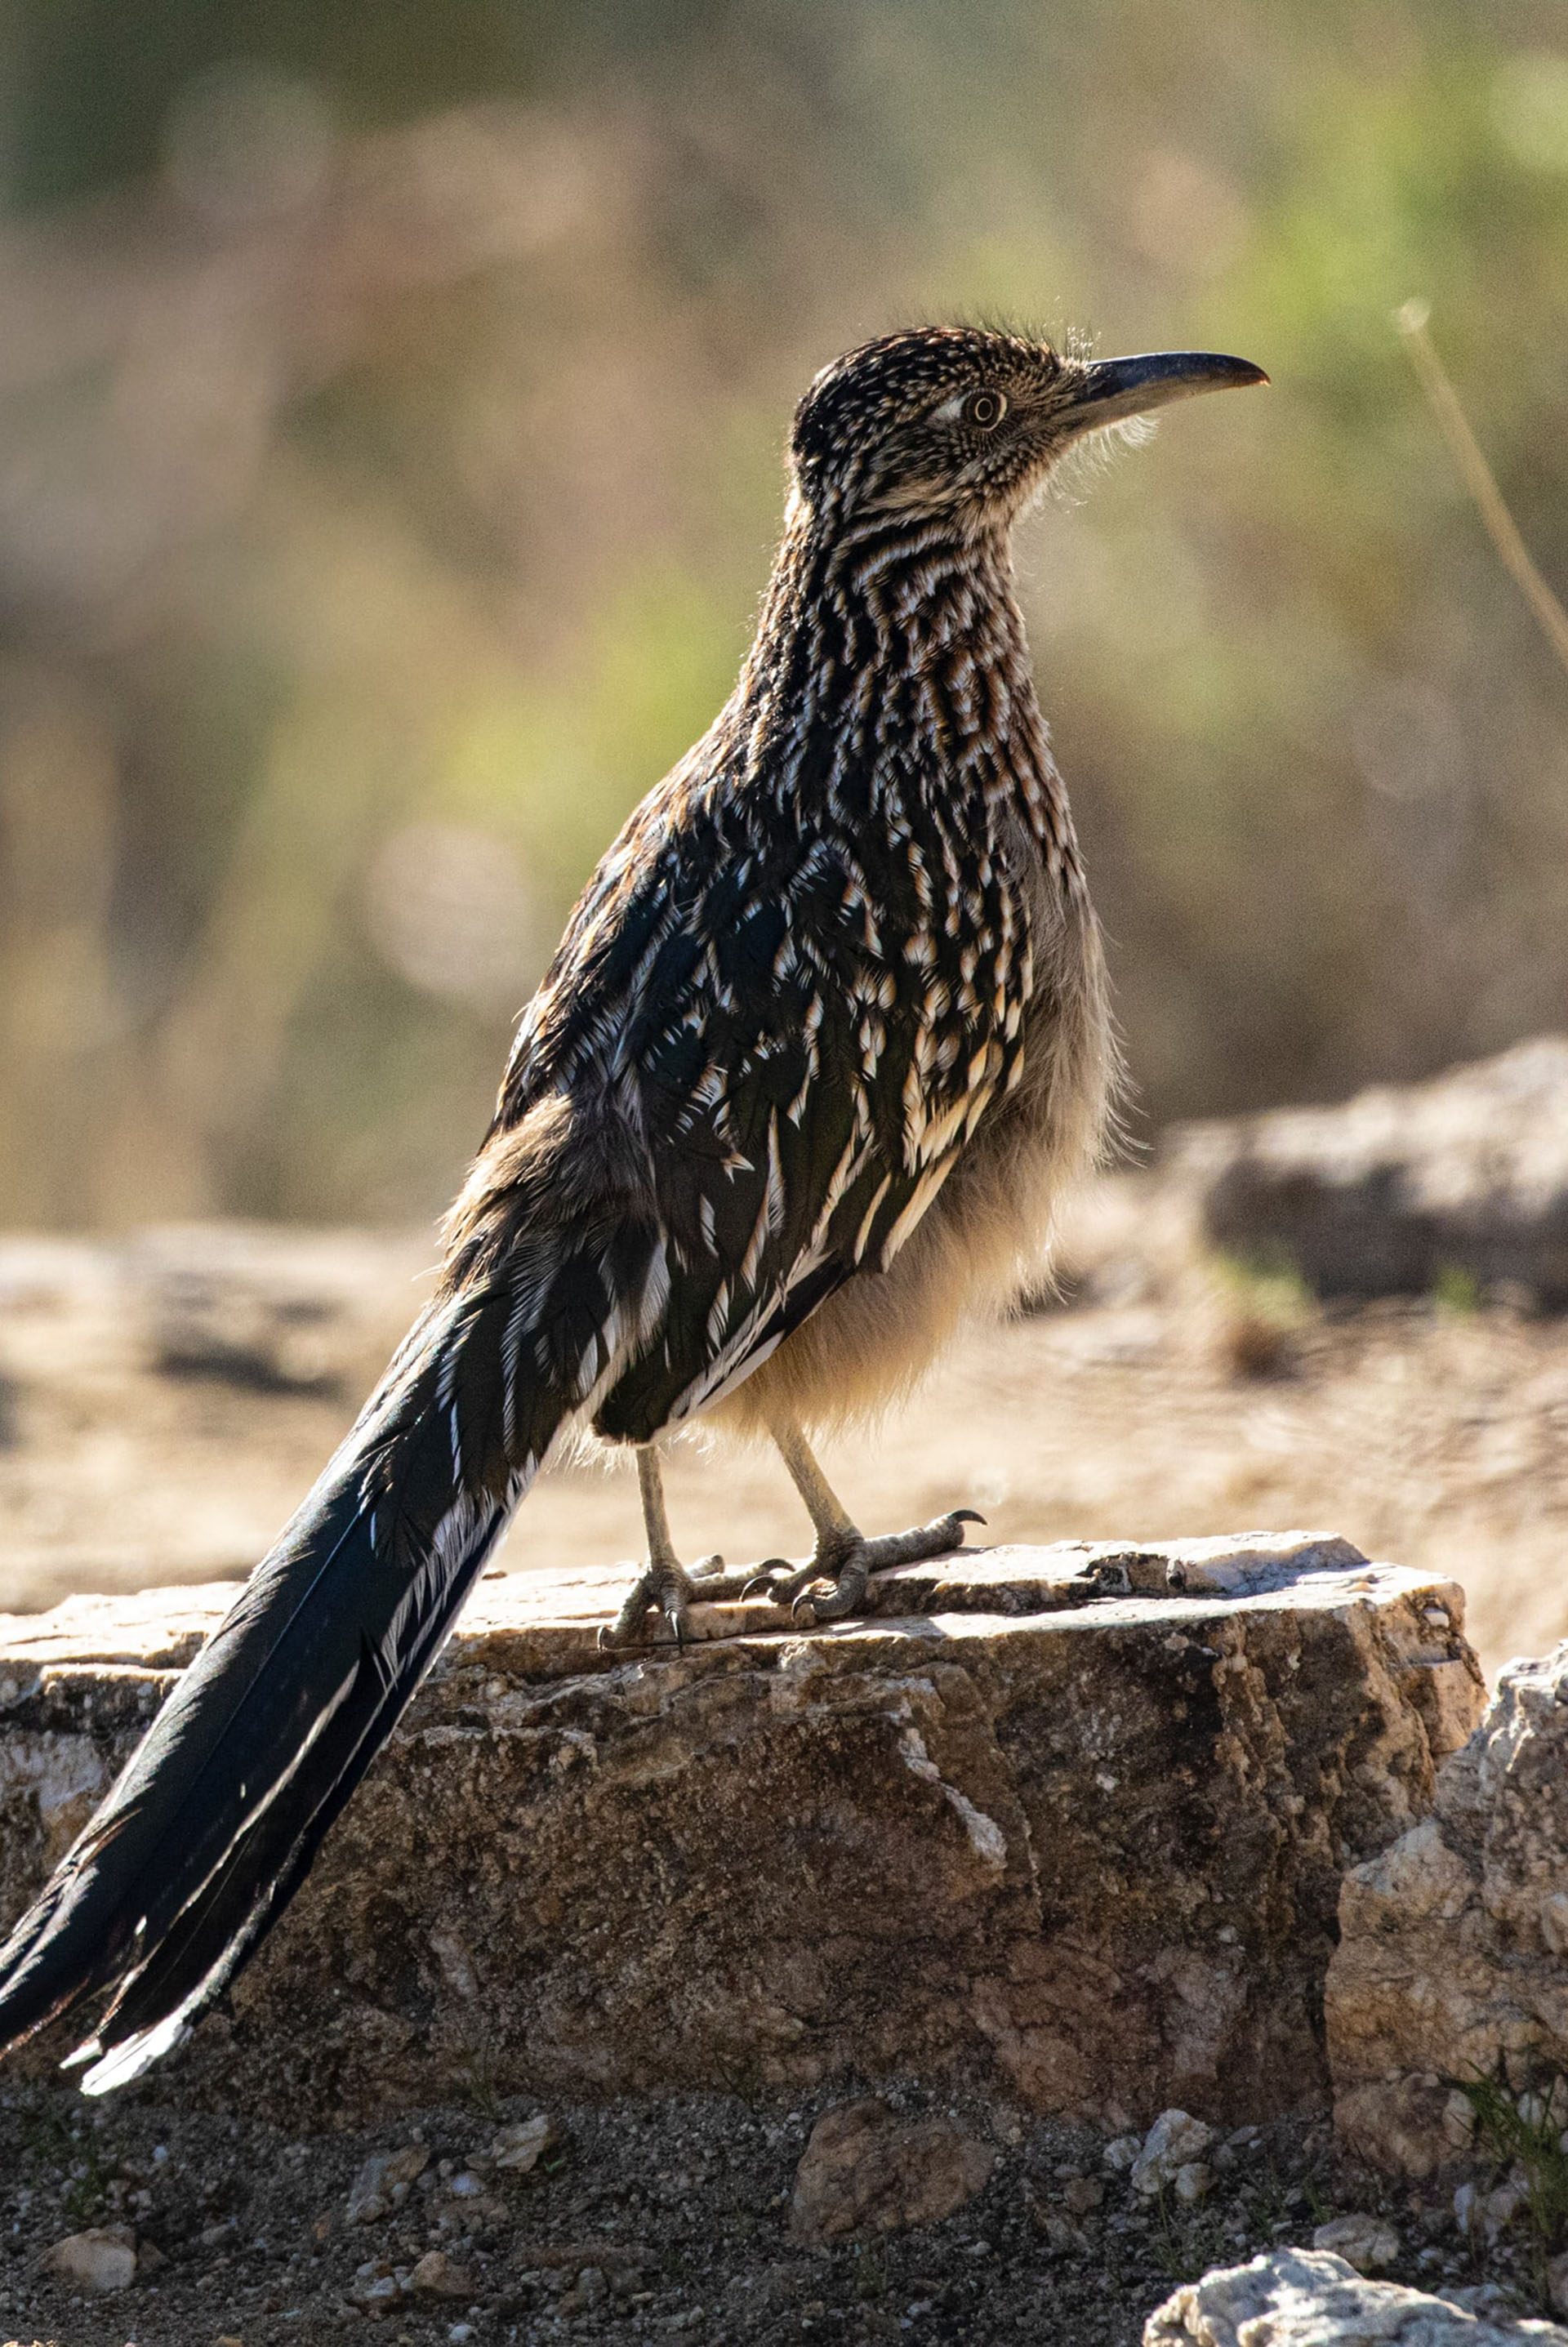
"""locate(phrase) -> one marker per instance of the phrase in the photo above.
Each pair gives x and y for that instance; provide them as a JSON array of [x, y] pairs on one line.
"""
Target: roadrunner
[[824, 1039]]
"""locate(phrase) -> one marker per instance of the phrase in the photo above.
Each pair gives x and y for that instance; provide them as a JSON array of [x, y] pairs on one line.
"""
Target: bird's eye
[[984, 410]]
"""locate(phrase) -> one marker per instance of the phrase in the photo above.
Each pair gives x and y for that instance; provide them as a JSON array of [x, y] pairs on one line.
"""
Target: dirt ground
[[653, 2219], [1167, 1400]]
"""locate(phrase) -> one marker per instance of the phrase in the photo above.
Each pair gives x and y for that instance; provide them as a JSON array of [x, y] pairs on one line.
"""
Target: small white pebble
[[161, 2153], [461, 2332]]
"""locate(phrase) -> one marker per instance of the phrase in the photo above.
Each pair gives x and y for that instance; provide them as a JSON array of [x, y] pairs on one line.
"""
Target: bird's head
[[964, 422]]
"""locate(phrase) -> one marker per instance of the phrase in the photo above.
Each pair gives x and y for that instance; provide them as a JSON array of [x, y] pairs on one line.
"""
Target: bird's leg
[[843, 1555], [666, 1585]]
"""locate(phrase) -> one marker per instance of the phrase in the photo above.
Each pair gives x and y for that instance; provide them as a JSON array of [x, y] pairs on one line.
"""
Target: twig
[[1479, 477]]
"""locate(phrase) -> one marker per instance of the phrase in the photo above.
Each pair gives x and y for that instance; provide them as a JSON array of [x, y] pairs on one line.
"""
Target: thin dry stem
[[1478, 478]]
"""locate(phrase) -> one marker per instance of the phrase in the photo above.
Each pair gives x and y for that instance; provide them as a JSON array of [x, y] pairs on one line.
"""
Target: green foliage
[[1264, 1305], [1523, 2132], [47, 2140], [561, 764], [1269, 1282], [476, 2081], [1457, 1291], [89, 2175], [1187, 2242]]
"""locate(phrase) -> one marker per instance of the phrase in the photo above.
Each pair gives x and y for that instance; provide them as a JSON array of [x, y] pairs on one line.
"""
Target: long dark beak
[[1111, 389]]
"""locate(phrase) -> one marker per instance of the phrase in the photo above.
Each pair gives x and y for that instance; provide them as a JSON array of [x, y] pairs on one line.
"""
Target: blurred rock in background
[[1457, 1187]]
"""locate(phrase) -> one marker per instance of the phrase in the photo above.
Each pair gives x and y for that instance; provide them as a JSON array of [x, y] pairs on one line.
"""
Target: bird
[[826, 1039]]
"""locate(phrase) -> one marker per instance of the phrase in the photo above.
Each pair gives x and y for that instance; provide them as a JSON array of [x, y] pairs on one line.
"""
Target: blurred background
[[392, 410]]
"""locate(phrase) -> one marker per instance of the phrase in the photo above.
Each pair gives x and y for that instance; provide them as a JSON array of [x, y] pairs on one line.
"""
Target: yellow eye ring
[[984, 410]]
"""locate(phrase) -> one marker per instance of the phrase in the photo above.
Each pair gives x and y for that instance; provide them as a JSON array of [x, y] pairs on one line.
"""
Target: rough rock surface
[[1304, 2297], [867, 2170], [1173, 2149], [102, 2259], [1382, 1194], [1368, 2243], [1453, 1957], [1068, 1823]]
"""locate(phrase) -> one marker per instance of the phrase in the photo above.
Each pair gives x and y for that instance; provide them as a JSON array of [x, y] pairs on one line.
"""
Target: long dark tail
[[217, 1817]]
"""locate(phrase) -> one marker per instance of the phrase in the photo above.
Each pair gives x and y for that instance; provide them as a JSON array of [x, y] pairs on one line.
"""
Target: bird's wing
[[804, 1082]]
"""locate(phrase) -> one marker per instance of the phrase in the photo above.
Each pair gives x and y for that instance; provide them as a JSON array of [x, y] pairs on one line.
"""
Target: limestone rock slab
[[1304, 2297], [1067, 1823], [1453, 1955]]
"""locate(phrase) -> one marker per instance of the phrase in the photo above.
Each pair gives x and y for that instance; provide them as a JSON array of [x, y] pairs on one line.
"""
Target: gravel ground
[[648, 2219]]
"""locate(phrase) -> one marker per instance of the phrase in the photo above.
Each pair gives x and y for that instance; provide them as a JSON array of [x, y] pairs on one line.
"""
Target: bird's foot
[[846, 1564], [668, 1590]]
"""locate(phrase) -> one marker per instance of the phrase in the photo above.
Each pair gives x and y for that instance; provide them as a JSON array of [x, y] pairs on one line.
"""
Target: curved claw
[[621, 1635], [815, 1604], [965, 1516], [844, 1594], [761, 1583]]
